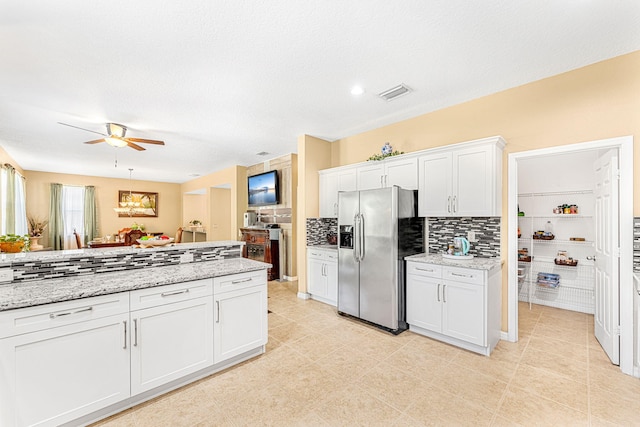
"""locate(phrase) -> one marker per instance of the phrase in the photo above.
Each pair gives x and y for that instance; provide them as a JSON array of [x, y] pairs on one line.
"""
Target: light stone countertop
[[329, 247], [26, 294], [475, 263]]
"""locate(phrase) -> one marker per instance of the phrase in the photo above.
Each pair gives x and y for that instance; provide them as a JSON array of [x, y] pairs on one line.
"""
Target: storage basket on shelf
[[548, 280]]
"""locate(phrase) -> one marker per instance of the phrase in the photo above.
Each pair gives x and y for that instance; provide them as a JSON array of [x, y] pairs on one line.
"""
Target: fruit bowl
[[155, 242]]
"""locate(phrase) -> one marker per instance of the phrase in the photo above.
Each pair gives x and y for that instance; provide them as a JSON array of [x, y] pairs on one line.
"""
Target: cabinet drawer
[[464, 275], [167, 294], [426, 270], [239, 281], [257, 238], [31, 319], [323, 254]]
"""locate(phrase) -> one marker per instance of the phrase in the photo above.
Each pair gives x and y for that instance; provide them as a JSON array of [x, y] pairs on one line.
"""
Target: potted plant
[[194, 224], [36, 228], [13, 243]]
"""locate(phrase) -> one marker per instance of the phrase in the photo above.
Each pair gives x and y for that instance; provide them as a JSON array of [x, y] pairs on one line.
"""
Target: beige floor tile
[[619, 407], [607, 377], [551, 386], [510, 352], [500, 369], [574, 369], [349, 406], [275, 320], [503, 422], [530, 409], [438, 407], [419, 363], [123, 419], [378, 344], [559, 333], [559, 347], [433, 348], [290, 332], [392, 384], [346, 364], [471, 385], [317, 346]]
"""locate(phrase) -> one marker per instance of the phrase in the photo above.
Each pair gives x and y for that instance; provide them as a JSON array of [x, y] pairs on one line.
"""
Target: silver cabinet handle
[[125, 334], [235, 282], [217, 311], [444, 298], [168, 294], [424, 269], [461, 275], [135, 332], [449, 204], [455, 204], [438, 292], [385, 180], [381, 184], [68, 313], [335, 209]]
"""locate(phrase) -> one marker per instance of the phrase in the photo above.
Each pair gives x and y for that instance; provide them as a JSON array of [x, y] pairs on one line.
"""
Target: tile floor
[[323, 370]]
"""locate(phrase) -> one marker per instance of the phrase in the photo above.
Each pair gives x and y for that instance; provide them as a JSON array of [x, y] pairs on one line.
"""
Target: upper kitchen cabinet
[[401, 171], [462, 179], [331, 182]]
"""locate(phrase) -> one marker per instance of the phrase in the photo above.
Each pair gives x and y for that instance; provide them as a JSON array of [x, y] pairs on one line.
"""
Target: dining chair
[[78, 240]]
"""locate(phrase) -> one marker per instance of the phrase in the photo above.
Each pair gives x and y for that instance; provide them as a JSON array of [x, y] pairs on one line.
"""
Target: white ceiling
[[219, 81]]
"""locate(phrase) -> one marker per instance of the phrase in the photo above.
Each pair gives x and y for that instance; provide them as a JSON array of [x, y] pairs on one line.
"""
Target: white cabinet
[[62, 361], [240, 314], [401, 171], [460, 306], [331, 182], [461, 180], [322, 275], [171, 333]]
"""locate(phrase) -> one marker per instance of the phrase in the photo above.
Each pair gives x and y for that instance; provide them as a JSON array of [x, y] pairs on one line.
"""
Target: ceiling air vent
[[262, 153], [394, 92]]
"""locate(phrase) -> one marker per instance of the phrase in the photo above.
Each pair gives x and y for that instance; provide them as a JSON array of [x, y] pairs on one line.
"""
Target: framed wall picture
[[146, 204]]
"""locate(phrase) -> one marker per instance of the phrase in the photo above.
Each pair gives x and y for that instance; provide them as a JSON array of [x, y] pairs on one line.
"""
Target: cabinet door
[[473, 189], [240, 322], [329, 195], [59, 374], [463, 312], [331, 272], [370, 176], [170, 341], [434, 182], [402, 172], [424, 302], [316, 277]]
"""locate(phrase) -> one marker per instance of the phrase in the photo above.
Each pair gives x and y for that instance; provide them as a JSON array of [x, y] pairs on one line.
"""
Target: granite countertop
[[330, 247], [475, 263], [27, 294]]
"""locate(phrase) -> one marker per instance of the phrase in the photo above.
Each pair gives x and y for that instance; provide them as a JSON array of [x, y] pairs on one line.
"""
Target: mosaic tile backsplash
[[487, 229], [319, 228], [84, 264]]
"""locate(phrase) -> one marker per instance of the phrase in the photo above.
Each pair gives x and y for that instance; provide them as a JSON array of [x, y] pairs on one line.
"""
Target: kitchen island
[[86, 334]]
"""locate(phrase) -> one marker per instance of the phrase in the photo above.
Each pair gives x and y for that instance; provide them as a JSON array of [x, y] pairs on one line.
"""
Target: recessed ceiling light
[[357, 90]]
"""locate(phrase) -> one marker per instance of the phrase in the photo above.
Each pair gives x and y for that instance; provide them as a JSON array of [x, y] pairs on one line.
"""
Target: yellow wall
[[6, 158], [169, 200], [314, 154], [595, 102]]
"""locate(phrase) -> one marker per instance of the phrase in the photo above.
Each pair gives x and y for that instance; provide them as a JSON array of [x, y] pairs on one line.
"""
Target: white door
[[316, 277], [607, 323], [463, 314], [424, 302]]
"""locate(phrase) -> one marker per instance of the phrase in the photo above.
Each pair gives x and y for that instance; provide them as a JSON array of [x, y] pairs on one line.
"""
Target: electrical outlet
[[6, 274], [471, 236], [188, 257]]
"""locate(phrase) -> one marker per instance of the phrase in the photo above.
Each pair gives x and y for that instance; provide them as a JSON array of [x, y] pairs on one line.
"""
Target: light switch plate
[[188, 257], [6, 275], [471, 236]]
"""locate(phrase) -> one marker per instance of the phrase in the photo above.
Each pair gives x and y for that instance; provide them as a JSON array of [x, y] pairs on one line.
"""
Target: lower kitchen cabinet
[[71, 363], [174, 336], [460, 306], [240, 312], [322, 275]]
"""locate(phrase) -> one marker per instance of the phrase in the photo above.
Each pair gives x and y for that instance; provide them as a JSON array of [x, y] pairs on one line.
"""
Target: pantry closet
[[556, 231]]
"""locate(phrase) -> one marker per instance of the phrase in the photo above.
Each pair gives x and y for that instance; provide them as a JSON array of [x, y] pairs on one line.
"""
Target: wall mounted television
[[264, 189]]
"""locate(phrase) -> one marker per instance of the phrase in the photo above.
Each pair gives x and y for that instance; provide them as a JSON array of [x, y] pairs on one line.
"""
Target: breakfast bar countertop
[[475, 263], [31, 293]]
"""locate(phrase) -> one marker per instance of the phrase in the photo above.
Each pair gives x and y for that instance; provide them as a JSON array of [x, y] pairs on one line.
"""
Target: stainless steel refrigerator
[[377, 229]]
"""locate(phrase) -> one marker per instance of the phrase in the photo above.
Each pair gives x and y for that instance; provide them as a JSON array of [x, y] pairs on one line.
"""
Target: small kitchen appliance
[[460, 246]]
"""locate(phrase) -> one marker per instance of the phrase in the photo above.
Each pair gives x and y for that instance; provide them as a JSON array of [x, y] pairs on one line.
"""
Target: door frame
[[624, 145]]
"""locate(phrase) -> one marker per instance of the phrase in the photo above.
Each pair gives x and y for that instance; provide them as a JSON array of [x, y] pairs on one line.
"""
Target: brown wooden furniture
[[260, 247], [95, 245], [78, 239]]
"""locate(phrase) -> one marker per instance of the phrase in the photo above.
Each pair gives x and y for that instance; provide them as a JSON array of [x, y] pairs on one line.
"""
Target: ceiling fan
[[115, 137]]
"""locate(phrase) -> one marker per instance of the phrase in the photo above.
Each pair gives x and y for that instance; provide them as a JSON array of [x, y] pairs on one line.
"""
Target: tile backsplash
[[319, 228], [442, 230]]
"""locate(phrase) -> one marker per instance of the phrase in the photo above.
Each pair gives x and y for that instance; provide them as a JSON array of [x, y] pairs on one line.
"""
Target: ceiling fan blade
[[146, 141], [87, 130], [134, 146], [95, 141]]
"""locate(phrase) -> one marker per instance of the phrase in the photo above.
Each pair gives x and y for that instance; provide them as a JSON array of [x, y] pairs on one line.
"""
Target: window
[[13, 211], [72, 214]]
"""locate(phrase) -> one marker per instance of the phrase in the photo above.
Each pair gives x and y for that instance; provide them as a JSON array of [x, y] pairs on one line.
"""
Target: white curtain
[[73, 214], [13, 200]]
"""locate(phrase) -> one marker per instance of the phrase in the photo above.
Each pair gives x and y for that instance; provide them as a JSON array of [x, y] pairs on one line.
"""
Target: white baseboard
[[505, 336], [289, 278], [304, 295]]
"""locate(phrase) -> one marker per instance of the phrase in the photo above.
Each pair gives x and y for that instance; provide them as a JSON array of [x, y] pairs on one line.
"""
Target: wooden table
[[95, 245]]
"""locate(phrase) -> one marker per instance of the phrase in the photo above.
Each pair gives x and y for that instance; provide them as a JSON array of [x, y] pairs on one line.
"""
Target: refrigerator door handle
[[355, 238], [361, 248]]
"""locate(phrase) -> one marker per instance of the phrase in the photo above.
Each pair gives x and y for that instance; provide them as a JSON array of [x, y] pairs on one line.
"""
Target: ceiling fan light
[[115, 141]]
